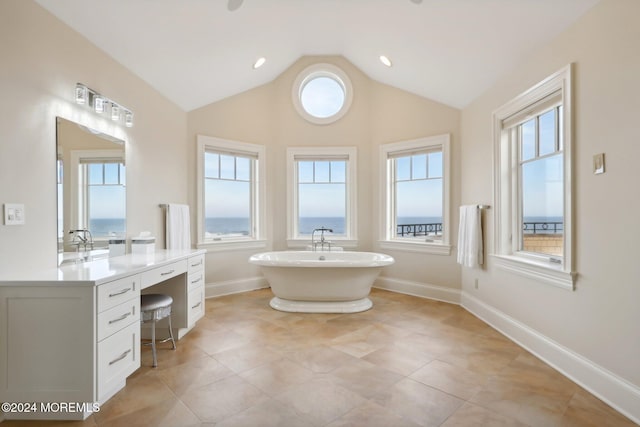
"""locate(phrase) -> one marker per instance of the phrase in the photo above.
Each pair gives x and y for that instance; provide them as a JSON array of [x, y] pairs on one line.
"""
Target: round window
[[322, 93]]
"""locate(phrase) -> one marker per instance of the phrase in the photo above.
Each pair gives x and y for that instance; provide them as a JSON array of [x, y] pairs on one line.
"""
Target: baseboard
[[227, 287], [424, 290], [610, 388]]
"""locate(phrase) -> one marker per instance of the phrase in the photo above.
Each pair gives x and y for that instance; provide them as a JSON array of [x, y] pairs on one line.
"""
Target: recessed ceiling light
[[260, 62], [386, 61]]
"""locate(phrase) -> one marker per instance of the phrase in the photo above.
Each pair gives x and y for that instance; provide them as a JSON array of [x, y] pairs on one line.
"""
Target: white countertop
[[95, 272]]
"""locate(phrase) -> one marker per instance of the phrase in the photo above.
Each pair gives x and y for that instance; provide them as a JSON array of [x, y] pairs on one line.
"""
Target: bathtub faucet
[[322, 241]]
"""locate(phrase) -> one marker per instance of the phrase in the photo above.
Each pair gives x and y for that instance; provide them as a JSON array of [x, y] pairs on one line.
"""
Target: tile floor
[[406, 362]]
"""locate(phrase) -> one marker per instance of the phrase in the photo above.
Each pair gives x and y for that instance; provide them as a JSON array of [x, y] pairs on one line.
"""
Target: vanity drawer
[[195, 280], [160, 274], [196, 263], [114, 293], [118, 317], [195, 305], [118, 357]]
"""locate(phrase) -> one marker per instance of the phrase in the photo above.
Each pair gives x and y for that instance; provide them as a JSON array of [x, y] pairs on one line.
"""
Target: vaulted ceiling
[[196, 52]]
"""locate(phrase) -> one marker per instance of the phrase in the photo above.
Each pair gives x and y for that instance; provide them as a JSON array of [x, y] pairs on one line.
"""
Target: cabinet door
[[47, 343], [118, 291], [196, 305], [116, 318], [118, 357]]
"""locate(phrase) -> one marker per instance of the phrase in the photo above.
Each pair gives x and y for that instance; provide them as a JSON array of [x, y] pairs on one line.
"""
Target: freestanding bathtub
[[321, 282]]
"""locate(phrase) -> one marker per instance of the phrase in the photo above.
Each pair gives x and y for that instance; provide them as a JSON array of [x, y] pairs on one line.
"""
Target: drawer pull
[[197, 280], [197, 305], [119, 358], [124, 291], [124, 316], [168, 272], [196, 264]]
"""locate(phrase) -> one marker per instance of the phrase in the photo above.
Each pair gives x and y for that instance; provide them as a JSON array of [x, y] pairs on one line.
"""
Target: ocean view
[[105, 227]]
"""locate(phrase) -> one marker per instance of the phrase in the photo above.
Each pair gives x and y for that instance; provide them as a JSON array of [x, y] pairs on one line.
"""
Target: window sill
[[301, 244], [427, 248], [541, 271], [232, 245]]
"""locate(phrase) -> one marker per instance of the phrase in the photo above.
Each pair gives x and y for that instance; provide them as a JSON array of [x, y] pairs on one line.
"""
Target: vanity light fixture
[[101, 104], [259, 62], [128, 119], [98, 104], [115, 112], [81, 94], [386, 61]]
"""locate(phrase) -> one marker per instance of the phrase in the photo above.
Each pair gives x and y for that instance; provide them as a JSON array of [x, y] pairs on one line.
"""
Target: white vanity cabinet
[[118, 334], [72, 334], [195, 288]]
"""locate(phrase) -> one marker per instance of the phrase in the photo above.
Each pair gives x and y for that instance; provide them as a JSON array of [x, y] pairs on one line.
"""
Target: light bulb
[[128, 119], [98, 104], [81, 94], [115, 112]]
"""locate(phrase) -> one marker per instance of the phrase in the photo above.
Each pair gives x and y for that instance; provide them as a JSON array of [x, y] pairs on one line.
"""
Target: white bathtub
[[321, 282]]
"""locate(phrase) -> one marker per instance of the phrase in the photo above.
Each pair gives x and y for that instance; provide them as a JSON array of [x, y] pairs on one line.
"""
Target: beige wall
[[42, 60], [600, 319], [378, 114]]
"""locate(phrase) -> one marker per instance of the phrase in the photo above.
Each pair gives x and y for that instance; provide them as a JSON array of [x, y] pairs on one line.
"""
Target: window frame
[[258, 194], [507, 253], [388, 226], [322, 70], [295, 240], [79, 185]]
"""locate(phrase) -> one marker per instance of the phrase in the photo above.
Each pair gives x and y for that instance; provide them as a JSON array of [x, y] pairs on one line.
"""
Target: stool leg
[[153, 342], [171, 334]]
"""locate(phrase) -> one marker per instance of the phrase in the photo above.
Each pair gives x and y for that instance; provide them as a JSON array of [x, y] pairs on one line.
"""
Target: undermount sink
[[82, 256]]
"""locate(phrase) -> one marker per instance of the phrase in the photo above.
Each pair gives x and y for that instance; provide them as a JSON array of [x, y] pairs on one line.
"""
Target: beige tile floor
[[406, 362]]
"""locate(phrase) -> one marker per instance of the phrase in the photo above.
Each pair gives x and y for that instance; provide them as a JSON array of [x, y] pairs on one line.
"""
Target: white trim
[[351, 188], [233, 245], [322, 70], [228, 287], [424, 290], [386, 199], [539, 271], [258, 202], [607, 386], [407, 246], [302, 244], [505, 193]]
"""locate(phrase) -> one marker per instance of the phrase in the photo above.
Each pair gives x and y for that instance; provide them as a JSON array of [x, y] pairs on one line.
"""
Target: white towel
[[470, 237], [178, 228]]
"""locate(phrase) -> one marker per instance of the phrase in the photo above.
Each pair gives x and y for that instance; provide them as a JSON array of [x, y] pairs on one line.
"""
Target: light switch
[[13, 214], [598, 163]]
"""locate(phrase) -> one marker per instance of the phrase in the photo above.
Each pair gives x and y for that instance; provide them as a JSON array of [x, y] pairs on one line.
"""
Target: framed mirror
[[91, 185]]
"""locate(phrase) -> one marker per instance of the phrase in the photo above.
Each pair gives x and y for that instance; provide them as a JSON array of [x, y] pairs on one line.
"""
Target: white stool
[[154, 307]]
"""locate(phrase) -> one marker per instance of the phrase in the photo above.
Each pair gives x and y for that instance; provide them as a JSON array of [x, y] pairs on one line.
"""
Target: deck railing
[[435, 228], [432, 229], [548, 227]]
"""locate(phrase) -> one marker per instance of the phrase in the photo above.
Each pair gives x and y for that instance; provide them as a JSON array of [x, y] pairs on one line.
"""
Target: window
[[322, 93], [99, 192], [533, 182], [230, 193], [321, 193], [415, 183]]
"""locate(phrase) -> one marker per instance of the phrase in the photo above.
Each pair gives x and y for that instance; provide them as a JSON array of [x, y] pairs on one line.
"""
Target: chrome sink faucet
[[82, 237], [322, 241]]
